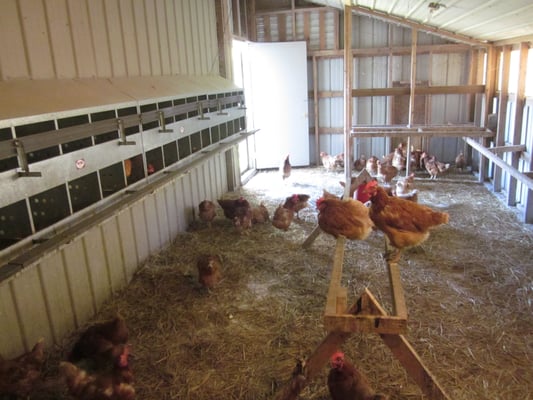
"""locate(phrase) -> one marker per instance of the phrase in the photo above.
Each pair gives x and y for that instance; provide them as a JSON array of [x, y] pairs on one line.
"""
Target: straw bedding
[[468, 289]]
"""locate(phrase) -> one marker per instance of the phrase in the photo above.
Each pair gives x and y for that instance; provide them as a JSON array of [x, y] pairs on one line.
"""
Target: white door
[[276, 95]]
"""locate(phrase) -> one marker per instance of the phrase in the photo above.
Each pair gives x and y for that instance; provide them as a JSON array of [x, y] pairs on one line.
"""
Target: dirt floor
[[468, 289]]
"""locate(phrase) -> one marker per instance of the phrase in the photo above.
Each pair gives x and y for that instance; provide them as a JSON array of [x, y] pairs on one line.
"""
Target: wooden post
[[315, 103], [518, 119], [348, 62], [411, 97], [502, 111]]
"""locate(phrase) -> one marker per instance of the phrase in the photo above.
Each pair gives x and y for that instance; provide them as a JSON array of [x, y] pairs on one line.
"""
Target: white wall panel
[[56, 290], [87, 274], [11, 37], [100, 45], [162, 217], [128, 244], [82, 39], [140, 230], [37, 40], [151, 223], [61, 39], [97, 267], [131, 53], [113, 255], [69, 39], [31, 307], [11, 340]]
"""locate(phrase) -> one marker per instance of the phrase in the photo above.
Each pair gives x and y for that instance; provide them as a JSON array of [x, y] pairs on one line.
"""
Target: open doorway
[[274, 79]]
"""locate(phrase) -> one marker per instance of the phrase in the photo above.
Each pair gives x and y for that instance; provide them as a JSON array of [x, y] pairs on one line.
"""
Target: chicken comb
[[337, 355]]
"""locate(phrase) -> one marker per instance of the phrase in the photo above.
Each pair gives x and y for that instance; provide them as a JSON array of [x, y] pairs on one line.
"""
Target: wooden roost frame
[[366, 315]]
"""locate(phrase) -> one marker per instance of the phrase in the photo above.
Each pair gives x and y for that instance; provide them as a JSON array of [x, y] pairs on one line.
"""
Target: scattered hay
[[469, 294]]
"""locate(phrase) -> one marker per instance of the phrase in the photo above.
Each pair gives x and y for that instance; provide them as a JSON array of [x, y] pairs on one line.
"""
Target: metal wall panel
[[30, 306], [56, 289], [113, 255], [74, 39], [128, 244], [12, 340], [98, 272], [87, 274]]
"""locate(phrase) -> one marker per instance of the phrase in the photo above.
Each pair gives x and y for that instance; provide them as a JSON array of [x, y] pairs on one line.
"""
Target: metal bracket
[[122, 132], [23, 161], [162, 123], [219, 107], [241, 104], [201, 111]]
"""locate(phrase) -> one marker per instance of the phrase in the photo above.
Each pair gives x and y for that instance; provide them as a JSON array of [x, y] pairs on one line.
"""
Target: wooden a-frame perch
[[365, 316]]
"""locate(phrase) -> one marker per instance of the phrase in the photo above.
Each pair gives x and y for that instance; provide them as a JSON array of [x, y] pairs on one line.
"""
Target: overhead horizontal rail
[[395, 51], [403, 91], [420, 131]]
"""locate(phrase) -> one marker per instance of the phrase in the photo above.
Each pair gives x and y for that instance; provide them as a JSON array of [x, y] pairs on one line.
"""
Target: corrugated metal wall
[[380, 72], [107, 38]]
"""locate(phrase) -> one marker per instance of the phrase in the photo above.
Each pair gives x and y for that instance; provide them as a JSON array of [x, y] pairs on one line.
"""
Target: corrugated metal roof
[[482, 20]]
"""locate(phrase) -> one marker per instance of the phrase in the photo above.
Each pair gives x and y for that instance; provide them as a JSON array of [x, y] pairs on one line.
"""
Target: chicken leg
[[392, 254]]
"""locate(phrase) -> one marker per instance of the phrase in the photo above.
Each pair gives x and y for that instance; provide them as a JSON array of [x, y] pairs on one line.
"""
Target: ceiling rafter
[[392, 7], [414, 8]]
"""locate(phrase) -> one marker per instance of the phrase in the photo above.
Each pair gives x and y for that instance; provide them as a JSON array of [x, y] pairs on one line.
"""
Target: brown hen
[[20, 376], [296, 202], [207, 211], [348, 218], [282, 218], [114, 383], [404, 223], [209, 270], [345, 382], [101, 342]]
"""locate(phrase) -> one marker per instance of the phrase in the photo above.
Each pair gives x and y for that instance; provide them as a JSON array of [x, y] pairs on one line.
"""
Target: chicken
[[282, 218], [360, 163], [460, 162], [443, 167], [345, 382], [398, 159], [355, 181], [405, 188], [209, 270], [328, 161], [100, 343], [260, 214], [21, 376], [430, 165], [372, 165], [403, 222], [386, 172], [207, 211], [296, 202], [285, 168], [114, 383], [339, 160], [348, 218]]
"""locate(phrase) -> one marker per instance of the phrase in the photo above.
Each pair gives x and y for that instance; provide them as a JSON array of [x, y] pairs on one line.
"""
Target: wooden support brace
[[407, 355], [311, 238]]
